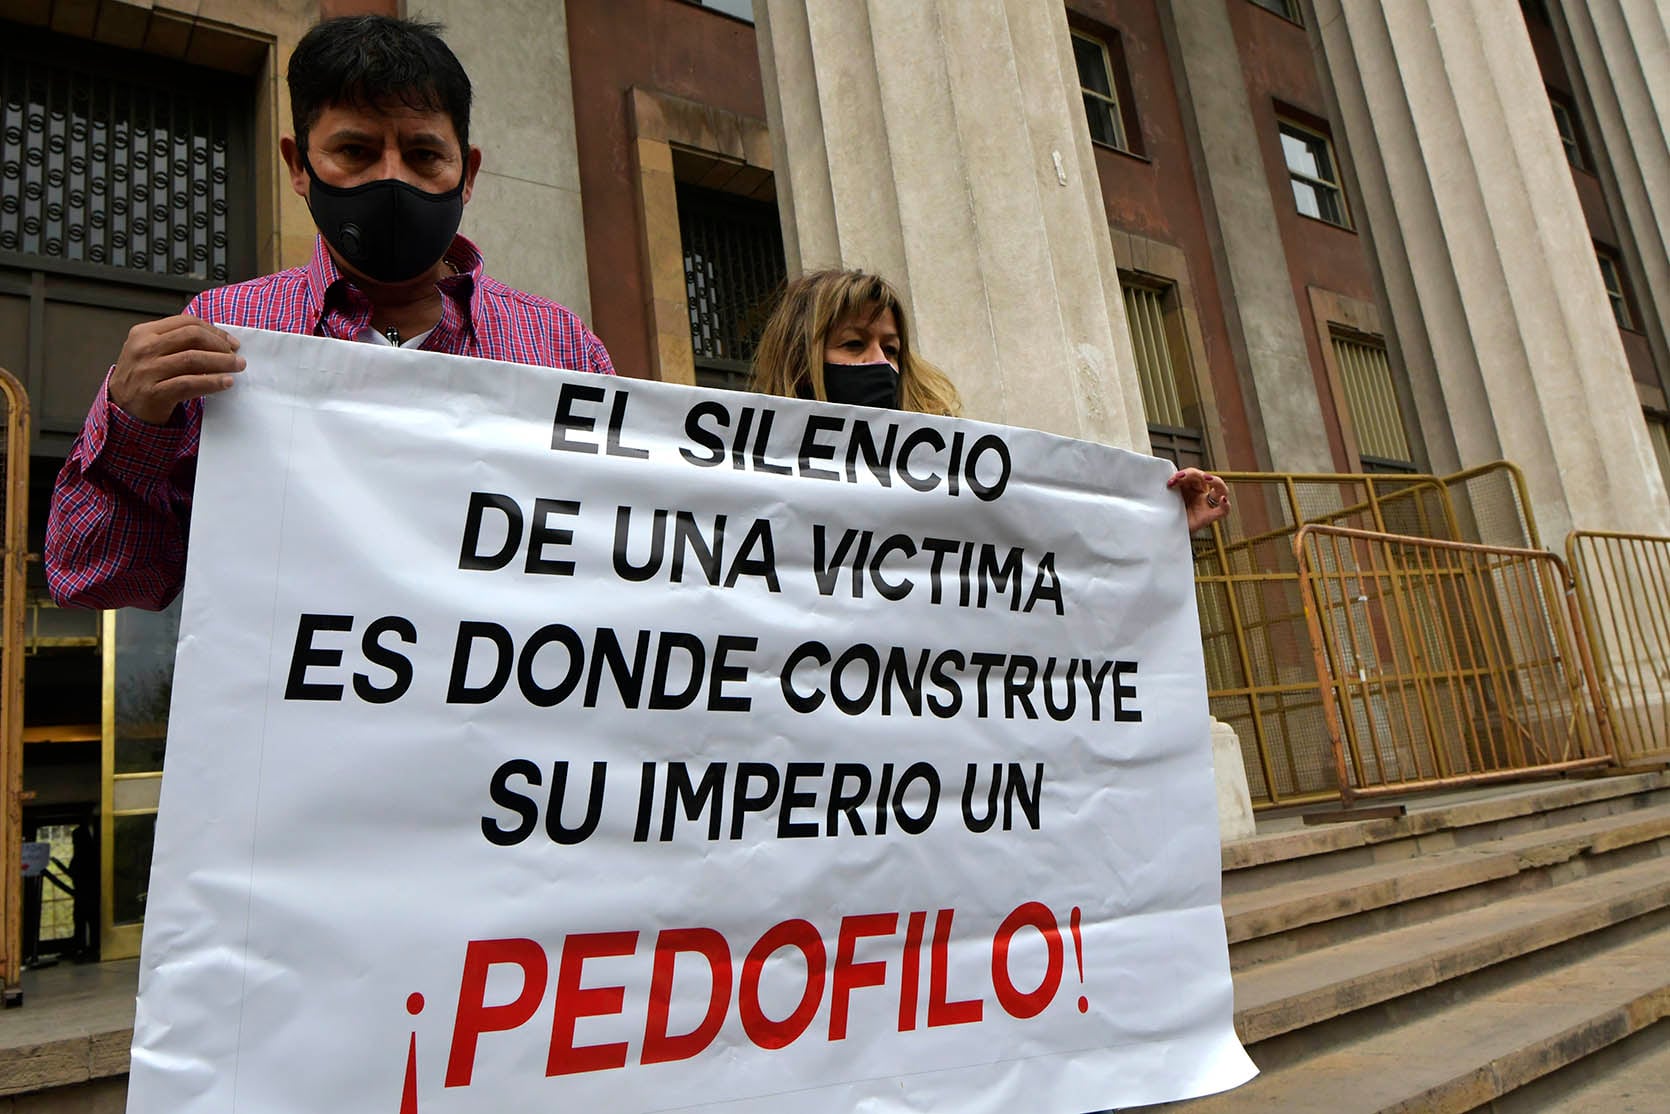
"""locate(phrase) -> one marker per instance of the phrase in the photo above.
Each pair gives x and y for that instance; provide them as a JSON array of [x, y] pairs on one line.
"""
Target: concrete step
[[1316, 987], [1286, 853], [1478, 1050], [1265, 925], [1630, 1077]]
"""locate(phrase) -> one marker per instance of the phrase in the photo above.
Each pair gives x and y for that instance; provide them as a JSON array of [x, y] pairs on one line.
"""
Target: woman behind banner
[[842, 336]]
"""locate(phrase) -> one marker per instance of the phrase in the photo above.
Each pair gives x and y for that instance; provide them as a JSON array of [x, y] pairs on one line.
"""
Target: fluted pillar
[[1266, 331], [1622, 48], [942, 143], [1487, 254]]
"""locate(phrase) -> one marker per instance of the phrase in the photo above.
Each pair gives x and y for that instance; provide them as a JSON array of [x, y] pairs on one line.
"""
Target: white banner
[[542, 741]]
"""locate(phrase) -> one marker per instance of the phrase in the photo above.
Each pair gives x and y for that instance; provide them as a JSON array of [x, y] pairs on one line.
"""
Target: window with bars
[[107, 161], [1100, 79], [1168, 393], [733, 263], [1314, 173], [1371, 399]]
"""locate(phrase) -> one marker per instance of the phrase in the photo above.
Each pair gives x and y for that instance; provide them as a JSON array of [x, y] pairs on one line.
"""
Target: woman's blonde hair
[[789, 359]]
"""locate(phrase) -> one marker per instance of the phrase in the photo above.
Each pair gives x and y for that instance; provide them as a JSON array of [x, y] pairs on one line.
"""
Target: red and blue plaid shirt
[[116, 533]]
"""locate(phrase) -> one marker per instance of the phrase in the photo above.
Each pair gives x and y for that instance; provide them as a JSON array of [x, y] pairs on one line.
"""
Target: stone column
[[1488, 254], [942, 143], [1265, 327], [1622, 49], [525, 212]]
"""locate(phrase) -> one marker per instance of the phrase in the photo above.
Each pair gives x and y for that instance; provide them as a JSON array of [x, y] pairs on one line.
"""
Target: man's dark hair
[[375, 61]]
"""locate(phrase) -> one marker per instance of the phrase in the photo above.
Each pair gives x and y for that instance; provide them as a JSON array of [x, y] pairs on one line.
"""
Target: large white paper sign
[[546, 741]]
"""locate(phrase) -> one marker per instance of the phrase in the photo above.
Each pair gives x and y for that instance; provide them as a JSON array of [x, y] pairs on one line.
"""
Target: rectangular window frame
[[739, 10], [1287, 126], [1373, 408], [1126, 135], [712, 225], [1282, 9], [1617, 287], [83, 61], [1658, 432], [1569, 131], [1173, 408]]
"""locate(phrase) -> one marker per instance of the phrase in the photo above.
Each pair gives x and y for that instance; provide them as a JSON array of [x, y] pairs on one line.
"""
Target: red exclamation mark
[[1078, 954], [408, 1093]]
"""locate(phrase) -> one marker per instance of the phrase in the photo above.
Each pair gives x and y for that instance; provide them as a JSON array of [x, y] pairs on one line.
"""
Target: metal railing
[[1446, 663], [1623, 586], [1261, 670]]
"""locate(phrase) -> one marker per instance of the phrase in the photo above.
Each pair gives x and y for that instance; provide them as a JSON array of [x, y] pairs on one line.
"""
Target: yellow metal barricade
[[14, 544], [1446, 663], [1623, 585], [1261, 671]]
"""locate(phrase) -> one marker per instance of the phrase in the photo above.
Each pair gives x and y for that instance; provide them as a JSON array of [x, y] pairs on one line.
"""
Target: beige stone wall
[[525, 211]]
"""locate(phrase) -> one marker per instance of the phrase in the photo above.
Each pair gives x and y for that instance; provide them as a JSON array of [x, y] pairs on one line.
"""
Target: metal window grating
[[1168, 399], [1371, 398], [1145, 312], [733, 262], [116, 170]]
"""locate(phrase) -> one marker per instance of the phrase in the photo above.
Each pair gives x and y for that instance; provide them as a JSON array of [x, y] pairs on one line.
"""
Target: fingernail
[[242, 363]]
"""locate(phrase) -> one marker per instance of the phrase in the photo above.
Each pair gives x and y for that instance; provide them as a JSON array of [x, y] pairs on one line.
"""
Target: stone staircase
[[1503, 951]]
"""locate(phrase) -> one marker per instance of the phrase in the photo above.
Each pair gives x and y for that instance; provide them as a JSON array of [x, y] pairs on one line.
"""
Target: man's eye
[[424, 156], [351, 151]]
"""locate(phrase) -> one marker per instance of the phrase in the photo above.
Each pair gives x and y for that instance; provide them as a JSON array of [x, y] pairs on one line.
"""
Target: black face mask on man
[[387, 230], [862, 384]]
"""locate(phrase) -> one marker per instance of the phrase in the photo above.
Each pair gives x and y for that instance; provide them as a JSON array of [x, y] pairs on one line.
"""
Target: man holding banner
[[608, 745], [381, 153]]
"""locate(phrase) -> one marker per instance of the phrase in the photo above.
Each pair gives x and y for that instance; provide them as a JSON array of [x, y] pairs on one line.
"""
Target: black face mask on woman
[[862, 384], [387, 230]]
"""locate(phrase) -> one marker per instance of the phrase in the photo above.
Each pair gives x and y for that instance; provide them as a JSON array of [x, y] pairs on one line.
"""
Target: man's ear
[[292, 155], [472, 165]]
